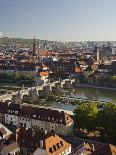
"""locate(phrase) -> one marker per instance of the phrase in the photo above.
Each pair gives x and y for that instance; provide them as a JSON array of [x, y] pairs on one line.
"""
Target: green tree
[[107, 123], [85, 117]]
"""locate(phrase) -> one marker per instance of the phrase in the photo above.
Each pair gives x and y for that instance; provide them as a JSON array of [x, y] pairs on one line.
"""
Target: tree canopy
[[90, 117]]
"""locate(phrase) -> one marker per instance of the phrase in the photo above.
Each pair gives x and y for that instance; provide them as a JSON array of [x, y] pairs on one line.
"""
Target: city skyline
[[63, 20]]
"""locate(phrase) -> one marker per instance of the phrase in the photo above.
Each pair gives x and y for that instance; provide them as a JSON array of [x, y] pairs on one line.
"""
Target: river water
[[93, 94], [88, 93]]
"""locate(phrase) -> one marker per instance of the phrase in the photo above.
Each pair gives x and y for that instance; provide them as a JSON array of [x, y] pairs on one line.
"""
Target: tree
[[85, 117], [107, 123]]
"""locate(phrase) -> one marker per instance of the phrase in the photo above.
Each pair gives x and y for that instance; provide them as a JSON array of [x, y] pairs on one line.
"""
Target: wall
[[11, 119], [2, 118]]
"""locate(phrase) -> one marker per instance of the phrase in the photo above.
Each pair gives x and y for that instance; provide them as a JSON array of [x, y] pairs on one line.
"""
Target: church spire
[[34, 45]]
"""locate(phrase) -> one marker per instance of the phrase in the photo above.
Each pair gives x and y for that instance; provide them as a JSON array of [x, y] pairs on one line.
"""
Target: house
[[89, 70], [3, 110], [48, 119], [11, 149], [11, 116], [28, 116], [41, 143], [42, 118], [54, 145], [8, 145], [42, 78], [95, 149], [4, 132]]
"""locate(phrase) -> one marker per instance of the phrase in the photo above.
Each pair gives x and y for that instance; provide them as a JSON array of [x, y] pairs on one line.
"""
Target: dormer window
[[61, 143], [34, 115], [51, 150], [54, 147], [58, 146], [60, 120], [16, 112]]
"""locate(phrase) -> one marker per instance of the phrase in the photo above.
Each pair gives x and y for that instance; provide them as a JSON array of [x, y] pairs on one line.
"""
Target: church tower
[[34, 45]]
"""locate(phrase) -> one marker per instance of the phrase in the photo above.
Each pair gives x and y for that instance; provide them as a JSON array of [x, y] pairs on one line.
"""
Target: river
[[93, 94]]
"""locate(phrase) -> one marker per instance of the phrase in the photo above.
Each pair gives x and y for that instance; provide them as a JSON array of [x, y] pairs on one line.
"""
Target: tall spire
[[34, 45]]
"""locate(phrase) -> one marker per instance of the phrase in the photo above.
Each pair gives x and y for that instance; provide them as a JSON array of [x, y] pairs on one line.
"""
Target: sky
[[61, 20]]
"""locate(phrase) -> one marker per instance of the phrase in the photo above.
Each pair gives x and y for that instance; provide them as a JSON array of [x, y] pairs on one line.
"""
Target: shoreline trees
[[88, 117]]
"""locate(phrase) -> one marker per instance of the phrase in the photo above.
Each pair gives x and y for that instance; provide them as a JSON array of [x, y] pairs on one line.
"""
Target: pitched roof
[[92, 68], [3, 107], [44, 73], [44, 114], [5, 131], [55, 145], [106, 149], [34, 138], [9, 148]]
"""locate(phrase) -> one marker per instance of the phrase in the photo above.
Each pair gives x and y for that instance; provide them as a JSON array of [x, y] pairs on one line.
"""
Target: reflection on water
[[93, 94]]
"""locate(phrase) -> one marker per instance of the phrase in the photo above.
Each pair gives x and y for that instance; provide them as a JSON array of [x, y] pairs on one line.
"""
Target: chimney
[[41, 144], [92, 147], [84, 143], [45, 132], [18, 135]]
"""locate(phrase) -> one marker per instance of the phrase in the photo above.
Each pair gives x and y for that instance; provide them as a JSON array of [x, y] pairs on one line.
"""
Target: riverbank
[[93, 86]]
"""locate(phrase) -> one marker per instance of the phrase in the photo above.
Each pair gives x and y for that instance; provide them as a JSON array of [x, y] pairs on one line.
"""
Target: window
[[61, 143], [67, 149], [58, 146], [54, 147], [51, 150], [16, 112]]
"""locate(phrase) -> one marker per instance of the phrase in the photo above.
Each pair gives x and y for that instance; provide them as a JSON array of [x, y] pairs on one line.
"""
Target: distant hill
[[11, 41]]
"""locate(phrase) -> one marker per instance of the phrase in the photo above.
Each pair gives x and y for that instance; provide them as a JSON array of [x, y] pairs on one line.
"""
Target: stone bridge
[[66, 83]]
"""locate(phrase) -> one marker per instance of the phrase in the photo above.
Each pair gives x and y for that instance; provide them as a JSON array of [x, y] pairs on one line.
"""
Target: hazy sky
[[65, 20]]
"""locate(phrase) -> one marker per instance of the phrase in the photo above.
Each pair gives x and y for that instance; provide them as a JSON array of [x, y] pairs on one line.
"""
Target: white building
[[42, 118]]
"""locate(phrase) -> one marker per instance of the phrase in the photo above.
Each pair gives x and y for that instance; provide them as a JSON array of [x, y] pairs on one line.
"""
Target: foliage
[[108, 79], [16, 78], [107, 123], [89, 117], [85, 117]]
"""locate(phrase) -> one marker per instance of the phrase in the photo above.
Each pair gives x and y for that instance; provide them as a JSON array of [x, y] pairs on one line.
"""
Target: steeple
[[34, 45]]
